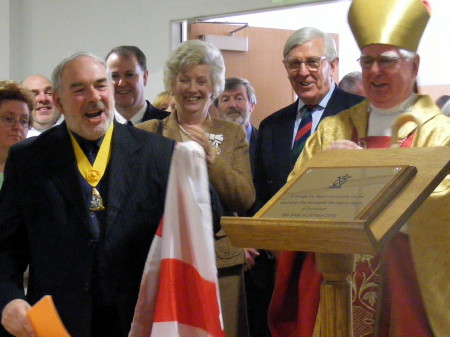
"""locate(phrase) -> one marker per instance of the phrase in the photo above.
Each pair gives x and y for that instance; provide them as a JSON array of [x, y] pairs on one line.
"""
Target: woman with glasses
[[16, 104]]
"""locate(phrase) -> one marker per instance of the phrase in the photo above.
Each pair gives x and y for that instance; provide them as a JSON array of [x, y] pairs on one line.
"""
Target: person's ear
[[145, 77], [57, 102], [415, 65], [334, 66]]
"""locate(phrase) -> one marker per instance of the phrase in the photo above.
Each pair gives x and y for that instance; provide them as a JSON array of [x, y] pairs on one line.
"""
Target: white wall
[[48, 30], [4, 39], [37, 34]]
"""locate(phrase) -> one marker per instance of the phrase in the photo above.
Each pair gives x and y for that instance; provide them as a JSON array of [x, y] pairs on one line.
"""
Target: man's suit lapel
[[335, 104], [122, 168], [252, 148], [65, 174], [253, 138], [282, 139], [153, 113]]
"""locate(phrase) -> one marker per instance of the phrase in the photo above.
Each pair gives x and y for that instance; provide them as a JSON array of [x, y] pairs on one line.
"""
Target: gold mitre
[[398, 23]]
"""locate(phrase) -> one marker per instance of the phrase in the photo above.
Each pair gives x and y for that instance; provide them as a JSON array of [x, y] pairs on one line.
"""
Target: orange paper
[[45, 319]]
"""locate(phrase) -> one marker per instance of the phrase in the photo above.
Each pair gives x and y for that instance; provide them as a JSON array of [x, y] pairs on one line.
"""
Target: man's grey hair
[[233, 83], [407, 54], [348, 82], [442, 100], [57, 72], [306, 34], [446, 109]]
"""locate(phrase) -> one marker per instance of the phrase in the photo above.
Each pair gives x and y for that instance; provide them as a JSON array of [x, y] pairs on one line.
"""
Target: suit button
[[87, 286]]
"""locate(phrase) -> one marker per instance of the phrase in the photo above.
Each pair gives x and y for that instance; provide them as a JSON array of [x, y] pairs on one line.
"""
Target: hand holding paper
[[45, 319], [15, 320]]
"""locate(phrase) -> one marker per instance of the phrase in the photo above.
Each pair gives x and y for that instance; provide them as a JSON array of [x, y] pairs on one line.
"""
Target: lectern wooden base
[[336, 294]]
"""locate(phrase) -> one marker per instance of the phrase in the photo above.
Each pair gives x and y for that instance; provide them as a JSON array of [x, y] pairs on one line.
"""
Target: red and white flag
[[179, 294]]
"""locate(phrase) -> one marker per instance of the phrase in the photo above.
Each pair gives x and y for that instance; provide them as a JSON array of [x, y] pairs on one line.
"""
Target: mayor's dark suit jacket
[[154, 113], [273, 162], [44, 222]]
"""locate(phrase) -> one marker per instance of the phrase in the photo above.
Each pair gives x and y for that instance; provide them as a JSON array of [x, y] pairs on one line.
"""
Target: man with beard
[[128, 67], [80, 205], [236, 104], [44, 115]]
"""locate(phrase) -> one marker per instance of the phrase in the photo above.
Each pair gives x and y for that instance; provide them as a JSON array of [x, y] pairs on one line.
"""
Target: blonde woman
[[195, 75]]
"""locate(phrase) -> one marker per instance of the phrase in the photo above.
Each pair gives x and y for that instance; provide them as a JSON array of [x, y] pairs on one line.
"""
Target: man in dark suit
[[310, 60], [128, 67], [82, 222]]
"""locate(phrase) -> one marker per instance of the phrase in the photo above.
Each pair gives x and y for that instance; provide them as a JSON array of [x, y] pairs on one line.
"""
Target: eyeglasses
[[10, 121], [311, 63], [384, 62]]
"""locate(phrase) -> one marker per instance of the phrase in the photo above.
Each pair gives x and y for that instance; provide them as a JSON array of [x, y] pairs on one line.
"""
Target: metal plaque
[[340, 193]]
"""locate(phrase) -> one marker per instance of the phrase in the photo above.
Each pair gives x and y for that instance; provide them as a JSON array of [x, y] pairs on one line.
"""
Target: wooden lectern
[[335, 241]]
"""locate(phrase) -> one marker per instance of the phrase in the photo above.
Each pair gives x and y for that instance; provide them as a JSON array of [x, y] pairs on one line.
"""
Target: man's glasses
[[10, 121], [384, 62], [311, 63]]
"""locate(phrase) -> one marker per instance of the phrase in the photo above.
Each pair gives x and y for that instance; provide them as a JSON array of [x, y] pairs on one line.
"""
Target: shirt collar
[[323, 103], [119, 118], [82, 141], [136, 119], [248, 131]]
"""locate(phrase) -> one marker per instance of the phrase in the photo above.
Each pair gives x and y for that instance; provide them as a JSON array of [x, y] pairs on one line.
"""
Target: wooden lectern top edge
[[433, 164], [255, 221]]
